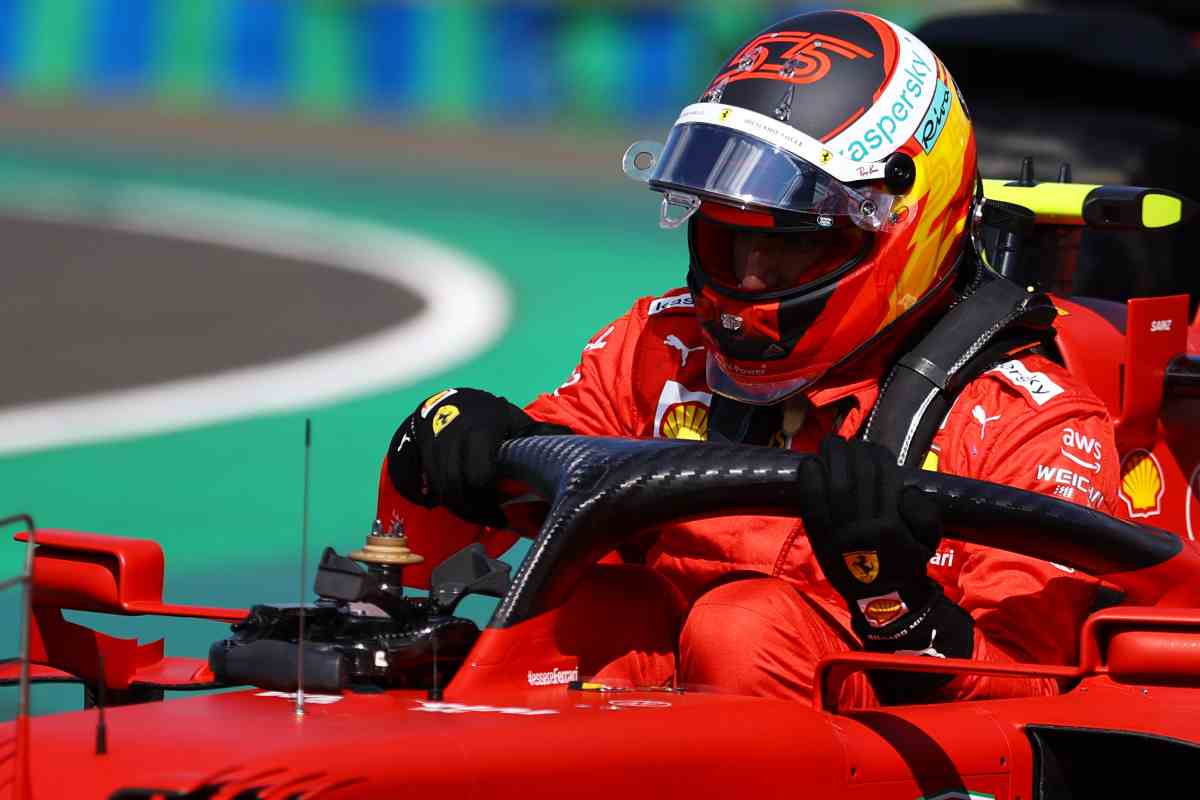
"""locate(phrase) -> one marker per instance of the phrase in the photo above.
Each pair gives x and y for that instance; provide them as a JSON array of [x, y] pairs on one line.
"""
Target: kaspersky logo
[[792, 56], [892, 126], [912, 103]]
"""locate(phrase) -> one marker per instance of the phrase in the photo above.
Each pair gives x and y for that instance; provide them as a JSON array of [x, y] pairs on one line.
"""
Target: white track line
[[467, 309]]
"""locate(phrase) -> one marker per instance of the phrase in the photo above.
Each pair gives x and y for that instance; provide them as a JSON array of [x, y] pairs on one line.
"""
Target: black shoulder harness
[[975, 334], [992, 319]]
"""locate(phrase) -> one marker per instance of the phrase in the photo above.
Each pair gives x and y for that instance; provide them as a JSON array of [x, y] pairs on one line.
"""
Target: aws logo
[[792, 56]]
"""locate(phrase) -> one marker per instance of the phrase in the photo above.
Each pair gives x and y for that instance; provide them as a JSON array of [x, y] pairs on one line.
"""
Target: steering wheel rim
[[603, 490]]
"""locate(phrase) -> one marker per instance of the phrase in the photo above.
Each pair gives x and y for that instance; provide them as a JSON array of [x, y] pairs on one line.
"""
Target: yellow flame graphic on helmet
[[940, 176]]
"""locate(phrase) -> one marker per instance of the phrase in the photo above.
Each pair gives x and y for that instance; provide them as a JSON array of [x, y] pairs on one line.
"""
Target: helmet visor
[[731, 166], [755, 392], [765, 263]]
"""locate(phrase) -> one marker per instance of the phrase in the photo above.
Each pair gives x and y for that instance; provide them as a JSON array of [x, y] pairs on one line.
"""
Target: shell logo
[[883, 610], [686, 421], [1141, 483]]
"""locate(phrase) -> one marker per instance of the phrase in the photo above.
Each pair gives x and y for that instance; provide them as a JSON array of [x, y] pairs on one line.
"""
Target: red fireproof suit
[[1026, 423]]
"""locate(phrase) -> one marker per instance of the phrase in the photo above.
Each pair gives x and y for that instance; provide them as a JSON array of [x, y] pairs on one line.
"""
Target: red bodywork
[[496, 734], [1148, 333]]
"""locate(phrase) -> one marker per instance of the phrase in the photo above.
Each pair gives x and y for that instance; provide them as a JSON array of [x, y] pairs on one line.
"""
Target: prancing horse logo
[[863, 564]]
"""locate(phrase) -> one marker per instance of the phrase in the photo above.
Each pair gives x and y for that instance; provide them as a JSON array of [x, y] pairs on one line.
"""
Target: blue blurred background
[[470, 62]]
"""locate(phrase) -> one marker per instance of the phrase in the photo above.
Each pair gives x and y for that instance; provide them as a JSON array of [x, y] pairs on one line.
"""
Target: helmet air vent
[[783, 111], [715, 92]]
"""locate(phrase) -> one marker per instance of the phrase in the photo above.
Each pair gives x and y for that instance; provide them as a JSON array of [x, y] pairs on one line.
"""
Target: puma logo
[[684, 351], [930, 651], [983, 419]]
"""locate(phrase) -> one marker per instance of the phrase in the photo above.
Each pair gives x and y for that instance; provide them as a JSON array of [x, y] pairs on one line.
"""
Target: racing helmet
[[838, 143]]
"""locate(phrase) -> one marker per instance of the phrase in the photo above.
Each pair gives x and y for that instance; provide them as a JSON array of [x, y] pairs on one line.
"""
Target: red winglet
[[113, 575], [109, 574], [1156, 330]]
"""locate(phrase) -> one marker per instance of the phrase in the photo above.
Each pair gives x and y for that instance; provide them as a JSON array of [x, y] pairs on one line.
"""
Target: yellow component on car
[[1051, 203], [1160, 210], [1111, 206]]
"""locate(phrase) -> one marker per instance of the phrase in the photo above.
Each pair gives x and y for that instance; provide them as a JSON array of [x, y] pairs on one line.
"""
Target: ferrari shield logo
[[444, 416], [863, 564], [434, 399]]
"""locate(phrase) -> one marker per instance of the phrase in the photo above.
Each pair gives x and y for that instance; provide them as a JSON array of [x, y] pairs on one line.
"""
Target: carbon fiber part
[[604, 490]]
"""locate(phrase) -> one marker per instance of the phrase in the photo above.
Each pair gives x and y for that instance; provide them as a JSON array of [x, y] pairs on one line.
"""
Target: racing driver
[[827, 178]]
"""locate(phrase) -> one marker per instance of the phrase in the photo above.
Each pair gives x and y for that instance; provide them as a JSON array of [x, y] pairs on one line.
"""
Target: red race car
[[402, 696]]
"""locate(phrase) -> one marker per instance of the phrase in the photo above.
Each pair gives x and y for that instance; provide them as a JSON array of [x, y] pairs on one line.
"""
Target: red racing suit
[[1026, 423]]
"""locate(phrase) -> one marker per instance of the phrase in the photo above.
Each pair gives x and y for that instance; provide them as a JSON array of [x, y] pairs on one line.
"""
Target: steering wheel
[[603, 490]]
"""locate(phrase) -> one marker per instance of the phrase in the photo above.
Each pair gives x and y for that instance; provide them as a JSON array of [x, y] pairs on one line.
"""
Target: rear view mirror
[[469, 571]]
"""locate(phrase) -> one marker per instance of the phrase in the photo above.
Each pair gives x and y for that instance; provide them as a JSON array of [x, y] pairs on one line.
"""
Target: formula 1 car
[[400, 695]]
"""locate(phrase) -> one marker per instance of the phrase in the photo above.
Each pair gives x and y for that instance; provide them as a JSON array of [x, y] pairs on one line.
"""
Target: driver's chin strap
[[993, 320], [731, 422]]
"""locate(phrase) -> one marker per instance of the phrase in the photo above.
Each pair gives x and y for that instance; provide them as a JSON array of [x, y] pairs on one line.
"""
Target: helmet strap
[[735, 422], [975, 219]]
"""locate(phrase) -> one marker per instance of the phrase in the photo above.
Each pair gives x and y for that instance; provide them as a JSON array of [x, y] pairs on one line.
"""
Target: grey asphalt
[[87, 309]]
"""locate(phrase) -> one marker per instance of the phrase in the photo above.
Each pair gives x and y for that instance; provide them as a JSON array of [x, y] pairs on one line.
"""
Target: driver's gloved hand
[[444, 453], [873, 539]]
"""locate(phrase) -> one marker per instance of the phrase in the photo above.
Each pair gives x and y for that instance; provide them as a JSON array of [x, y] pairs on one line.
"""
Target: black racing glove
[[873, 539], [444, 453]]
